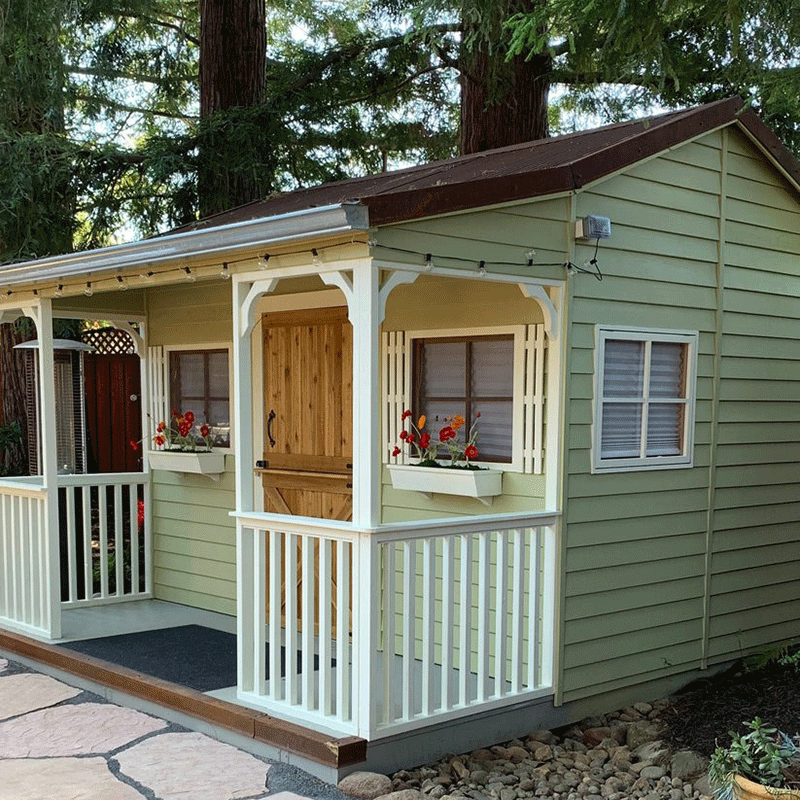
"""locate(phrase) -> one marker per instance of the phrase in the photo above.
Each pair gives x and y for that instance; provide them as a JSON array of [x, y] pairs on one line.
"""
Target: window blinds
[[644, 398]]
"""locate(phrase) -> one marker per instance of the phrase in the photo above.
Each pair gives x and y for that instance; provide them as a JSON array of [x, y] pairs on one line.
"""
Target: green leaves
[[764, 755]]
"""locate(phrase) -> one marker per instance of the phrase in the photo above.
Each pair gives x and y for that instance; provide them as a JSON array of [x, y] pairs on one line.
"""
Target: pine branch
[[139, 77], [135, 109]]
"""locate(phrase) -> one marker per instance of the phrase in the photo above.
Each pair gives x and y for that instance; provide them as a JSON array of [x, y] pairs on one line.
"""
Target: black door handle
[[270, 419]]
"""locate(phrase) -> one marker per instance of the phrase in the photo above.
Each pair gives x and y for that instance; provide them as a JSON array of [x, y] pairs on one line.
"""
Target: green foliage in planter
[[764, 755]]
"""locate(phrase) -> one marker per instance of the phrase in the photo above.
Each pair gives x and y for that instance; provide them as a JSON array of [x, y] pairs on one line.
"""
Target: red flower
[[411, 438], [140, 512], [134, 445], [396, 451], [204, 430], [471, 452], [406, 415], [189, 417], [446, 433], [159, 440], [162, 426], [403, 435], [425, 441]]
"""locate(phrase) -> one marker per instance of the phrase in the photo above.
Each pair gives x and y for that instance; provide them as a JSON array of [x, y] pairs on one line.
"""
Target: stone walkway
[[61, 743]]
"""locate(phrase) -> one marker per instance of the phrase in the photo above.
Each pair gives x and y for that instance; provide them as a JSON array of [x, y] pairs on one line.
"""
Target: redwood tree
[[233, 49]]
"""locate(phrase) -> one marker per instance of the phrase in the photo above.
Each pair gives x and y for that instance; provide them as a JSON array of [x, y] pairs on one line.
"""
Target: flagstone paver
[[61, 779], [20, 694], [60, 743], [81, 729], [190, 766]]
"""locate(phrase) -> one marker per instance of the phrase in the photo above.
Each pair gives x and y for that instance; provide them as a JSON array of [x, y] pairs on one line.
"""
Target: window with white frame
[[495, 371], [199, 382], [644, 399], [472, 376]]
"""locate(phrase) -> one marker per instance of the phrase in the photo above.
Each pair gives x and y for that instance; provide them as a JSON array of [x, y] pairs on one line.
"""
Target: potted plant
[[184, 447], [458, 475], [763, 763]]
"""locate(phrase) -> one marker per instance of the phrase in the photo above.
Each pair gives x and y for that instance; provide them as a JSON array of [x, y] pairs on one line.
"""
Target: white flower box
[[200, 462], [481, 483]]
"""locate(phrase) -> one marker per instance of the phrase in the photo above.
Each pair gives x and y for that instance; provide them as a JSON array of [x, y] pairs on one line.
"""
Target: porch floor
[[135, 616]]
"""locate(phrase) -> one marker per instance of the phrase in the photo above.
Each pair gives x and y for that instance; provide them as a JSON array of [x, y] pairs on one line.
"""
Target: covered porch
[[407, 624]]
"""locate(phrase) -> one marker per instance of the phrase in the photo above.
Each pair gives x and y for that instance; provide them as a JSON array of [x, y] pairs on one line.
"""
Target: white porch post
[[242, 398], [243, 433], [250, 554], [365, 317], [42, 315], [364, 312]]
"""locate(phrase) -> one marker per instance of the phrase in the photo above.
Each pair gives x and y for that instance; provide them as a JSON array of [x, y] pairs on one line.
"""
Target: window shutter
[[158, 381], [533, 393], [393, 370]]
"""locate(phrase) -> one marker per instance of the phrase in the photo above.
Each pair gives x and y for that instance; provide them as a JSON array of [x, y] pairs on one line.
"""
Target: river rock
[[365, 785], [641, 732], [687, 764]]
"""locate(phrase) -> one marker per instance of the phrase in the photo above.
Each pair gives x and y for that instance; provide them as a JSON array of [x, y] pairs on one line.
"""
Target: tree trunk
[[503, 101], [233, 47], [516, 111]]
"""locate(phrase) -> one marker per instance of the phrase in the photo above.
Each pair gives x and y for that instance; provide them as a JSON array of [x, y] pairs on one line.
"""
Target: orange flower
[[458, 422], [421, 421]]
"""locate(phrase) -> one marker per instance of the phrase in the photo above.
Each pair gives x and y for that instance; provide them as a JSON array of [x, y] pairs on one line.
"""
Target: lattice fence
[[109, 341]]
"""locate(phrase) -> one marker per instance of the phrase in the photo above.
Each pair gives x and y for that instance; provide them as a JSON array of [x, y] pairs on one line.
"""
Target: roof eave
[[281, 229]]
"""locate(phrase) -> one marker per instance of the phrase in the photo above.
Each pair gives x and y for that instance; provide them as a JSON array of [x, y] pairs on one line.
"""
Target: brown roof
[[532, 169]]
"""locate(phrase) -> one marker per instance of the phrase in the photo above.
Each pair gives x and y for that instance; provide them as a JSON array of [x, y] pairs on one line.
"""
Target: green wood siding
[[194, 539], [190, 313], [657, 581]]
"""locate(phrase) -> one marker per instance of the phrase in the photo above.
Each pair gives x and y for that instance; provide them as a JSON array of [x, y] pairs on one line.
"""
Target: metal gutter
[[283, 228]]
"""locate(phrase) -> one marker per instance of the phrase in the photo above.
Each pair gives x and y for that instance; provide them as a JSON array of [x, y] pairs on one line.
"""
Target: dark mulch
[[707, 710]]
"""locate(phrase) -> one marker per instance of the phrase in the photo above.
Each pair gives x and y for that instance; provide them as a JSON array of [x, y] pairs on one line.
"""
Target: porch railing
[[399, 626], [105, 544], [24, 562]]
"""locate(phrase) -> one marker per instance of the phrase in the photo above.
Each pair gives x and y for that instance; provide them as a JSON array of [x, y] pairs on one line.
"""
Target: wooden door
[[308, 427], [113, 412]]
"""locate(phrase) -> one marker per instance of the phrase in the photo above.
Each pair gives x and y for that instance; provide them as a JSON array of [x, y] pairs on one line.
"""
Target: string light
[[430, 260]]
